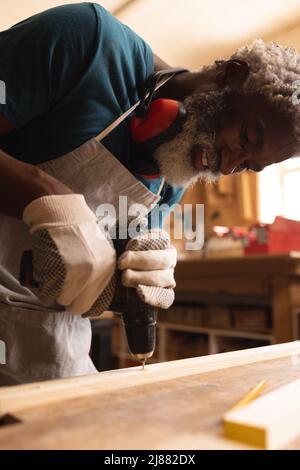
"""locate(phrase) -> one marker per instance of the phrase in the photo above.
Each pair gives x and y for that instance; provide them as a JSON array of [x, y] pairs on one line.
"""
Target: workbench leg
[[123, 349], [213, 344], [162, 345], [281, 310]]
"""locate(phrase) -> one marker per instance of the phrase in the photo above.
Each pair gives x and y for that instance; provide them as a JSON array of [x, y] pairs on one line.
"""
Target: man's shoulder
[[54, 19]]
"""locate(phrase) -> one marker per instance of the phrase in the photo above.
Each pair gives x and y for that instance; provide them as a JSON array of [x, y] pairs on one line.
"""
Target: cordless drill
[[139, 318]]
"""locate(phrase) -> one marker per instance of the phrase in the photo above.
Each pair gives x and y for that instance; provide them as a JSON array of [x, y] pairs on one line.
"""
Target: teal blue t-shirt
[[69, 72]]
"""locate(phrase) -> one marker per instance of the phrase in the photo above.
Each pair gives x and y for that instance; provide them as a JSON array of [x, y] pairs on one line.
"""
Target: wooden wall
[[231, 202]]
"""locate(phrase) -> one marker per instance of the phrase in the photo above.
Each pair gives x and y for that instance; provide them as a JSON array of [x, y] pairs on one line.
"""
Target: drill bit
[[144, 362]]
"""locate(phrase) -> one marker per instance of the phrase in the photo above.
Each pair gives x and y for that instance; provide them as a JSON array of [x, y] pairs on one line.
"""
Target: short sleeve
[[70, 72], [35, 58]]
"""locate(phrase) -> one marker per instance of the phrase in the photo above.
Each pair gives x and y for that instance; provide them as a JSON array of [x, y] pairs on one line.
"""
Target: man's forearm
[[21, 183]]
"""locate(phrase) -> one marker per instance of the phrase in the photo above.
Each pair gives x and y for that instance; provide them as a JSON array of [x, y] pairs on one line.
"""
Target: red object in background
[[282, 236], [255, 248]]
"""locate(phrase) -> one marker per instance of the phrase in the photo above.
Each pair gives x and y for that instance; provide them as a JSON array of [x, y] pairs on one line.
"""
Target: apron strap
[[155, 81]]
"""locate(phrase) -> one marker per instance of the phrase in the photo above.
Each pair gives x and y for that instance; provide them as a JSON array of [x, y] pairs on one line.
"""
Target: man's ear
[[232, 73]]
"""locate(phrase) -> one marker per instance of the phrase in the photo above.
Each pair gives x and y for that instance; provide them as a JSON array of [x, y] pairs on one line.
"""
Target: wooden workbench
[[226, 304], [264, 280], [174, 405]]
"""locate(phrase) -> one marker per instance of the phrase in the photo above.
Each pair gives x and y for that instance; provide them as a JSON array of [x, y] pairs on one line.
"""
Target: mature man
[[69, 73]]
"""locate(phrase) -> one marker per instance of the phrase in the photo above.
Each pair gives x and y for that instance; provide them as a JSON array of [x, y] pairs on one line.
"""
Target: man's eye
[[244, 136]]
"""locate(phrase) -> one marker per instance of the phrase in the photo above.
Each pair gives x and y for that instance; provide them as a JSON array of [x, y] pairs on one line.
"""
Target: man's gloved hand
[[73, 261], [148, 265]]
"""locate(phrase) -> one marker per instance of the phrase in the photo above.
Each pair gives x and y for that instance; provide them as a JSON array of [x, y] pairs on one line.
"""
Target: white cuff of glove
[[79, 259], [57, 210]]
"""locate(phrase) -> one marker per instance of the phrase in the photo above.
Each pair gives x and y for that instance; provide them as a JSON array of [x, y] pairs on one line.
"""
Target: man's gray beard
[[205, 114]]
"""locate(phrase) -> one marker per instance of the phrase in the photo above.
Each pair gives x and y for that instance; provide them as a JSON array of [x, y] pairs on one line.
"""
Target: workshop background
[[243, 288]]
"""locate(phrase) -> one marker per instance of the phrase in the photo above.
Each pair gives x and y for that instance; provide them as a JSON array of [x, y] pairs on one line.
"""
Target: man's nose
[[231, 162]]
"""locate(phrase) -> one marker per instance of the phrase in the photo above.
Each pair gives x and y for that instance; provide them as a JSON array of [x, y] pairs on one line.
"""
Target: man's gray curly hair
[[274, 74]]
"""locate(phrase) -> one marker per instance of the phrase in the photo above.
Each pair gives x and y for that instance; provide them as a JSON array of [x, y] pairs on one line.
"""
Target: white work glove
[[148, 264], [73, 261]]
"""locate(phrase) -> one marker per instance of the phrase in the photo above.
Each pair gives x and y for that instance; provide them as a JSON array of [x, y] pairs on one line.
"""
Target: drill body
[[139, 318], [140, 322]]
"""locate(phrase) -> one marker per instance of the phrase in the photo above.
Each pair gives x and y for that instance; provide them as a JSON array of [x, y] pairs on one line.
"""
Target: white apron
[[42, 343]]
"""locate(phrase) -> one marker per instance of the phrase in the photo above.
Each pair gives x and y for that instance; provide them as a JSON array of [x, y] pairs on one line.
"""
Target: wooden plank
[[21, 397], [185, 413], [269, 422]]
